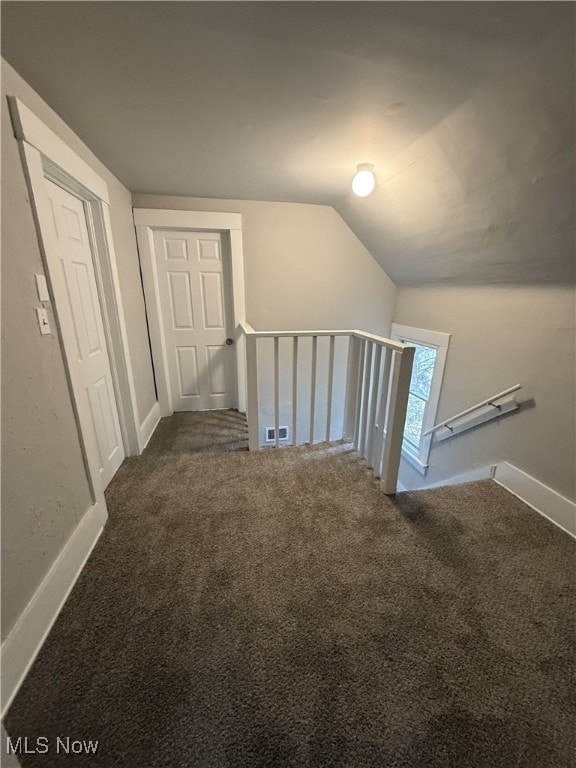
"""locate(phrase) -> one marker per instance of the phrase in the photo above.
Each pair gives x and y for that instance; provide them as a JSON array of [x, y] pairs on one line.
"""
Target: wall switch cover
[[42, 288], [43, 321]]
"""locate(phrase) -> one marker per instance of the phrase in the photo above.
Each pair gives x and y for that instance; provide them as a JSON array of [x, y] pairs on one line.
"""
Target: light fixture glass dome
[[363, 182]]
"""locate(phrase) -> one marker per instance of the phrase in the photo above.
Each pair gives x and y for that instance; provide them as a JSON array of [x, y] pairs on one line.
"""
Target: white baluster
[[382, 412], [371, 433], [295, 390], [313, 387], [276, 392], [366, 398], [359, 390], [352, 368], [330, 386]]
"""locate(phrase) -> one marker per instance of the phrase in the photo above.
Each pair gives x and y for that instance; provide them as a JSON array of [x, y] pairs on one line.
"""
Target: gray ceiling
[[466, 109]]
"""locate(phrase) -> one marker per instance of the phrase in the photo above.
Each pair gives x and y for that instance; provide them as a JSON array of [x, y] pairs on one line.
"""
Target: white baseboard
[[548, 502], [148, 426], [480, 473], [30, 631], [7, 760]]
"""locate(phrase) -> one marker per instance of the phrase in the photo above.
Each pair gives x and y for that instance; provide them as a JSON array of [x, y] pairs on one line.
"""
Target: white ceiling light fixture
[[363, 182]]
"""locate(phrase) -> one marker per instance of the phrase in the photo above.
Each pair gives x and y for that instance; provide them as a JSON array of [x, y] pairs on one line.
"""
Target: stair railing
[[378, 372], [473, 416]]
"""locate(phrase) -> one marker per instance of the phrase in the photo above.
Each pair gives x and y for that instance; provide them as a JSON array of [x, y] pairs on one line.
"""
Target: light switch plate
[[43, 321], [42, 288]]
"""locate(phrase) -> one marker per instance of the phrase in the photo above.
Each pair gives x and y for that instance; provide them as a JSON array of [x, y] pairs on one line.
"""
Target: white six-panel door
[[195, 296], [89, 342]]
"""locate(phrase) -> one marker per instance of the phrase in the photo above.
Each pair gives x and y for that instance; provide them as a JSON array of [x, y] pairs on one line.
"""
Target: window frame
[[440, 341]]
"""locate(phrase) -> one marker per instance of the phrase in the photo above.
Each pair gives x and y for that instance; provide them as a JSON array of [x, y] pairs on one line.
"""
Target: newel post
[[352, 388], [252, 387], [399, 389]]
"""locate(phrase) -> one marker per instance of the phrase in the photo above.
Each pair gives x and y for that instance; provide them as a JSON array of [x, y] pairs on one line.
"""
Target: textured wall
[[466, 109], [123, 233], [304, 267], [486, 194], [44, 486], [501, 337]]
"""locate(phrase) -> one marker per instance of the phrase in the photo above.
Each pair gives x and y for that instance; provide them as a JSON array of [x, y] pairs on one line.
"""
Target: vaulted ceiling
[[465, 108]]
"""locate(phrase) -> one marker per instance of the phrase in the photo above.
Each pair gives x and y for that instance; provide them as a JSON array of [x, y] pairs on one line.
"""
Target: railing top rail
[[281, 334], [390, 343], [398, 346]]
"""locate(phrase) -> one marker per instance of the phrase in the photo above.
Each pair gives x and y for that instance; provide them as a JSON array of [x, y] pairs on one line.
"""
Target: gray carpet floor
[[277, 609]]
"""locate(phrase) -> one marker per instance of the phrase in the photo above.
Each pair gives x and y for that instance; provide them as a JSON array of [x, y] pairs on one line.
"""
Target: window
[[429, 359]]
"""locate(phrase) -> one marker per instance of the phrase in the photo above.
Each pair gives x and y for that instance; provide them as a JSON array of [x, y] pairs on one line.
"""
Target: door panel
[[180, 300], [212, 300], [196, 305], [217, 370], [84, 310], [208, 250], [187, 359], [175, 248]]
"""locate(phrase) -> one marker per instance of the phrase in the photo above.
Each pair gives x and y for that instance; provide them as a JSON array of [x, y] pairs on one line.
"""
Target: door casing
[[147, 220], [46, 156]]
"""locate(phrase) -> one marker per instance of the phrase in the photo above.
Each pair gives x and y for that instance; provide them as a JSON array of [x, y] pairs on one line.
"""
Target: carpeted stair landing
[[277, 609]]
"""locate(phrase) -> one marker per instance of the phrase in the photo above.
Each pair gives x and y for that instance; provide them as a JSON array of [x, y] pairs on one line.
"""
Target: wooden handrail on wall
[[377, 383], [488, 401]]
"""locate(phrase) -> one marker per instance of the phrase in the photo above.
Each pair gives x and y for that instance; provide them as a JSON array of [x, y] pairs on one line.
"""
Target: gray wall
[[502, 336], [44, 486], [304, 267], [304, 388]]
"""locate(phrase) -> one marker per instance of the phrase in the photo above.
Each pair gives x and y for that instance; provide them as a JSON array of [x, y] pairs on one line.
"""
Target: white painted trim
[[480, 473], [149, 425], [481, 404], [472, 476], [239, 302], [381, 340], [145, 238], [34, 171], [544, 500], [398, 401], [62, 165], [146, 221], [411, 458], [433, 338], [121, 349], [390, 343], [252, 404], [29, 128], [162, 218], [45, 155], [30, 631], [440, 341], [548, 502]]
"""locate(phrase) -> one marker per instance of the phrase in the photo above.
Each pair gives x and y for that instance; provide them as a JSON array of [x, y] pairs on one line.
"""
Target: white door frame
[[147, 220], [46, 156]]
